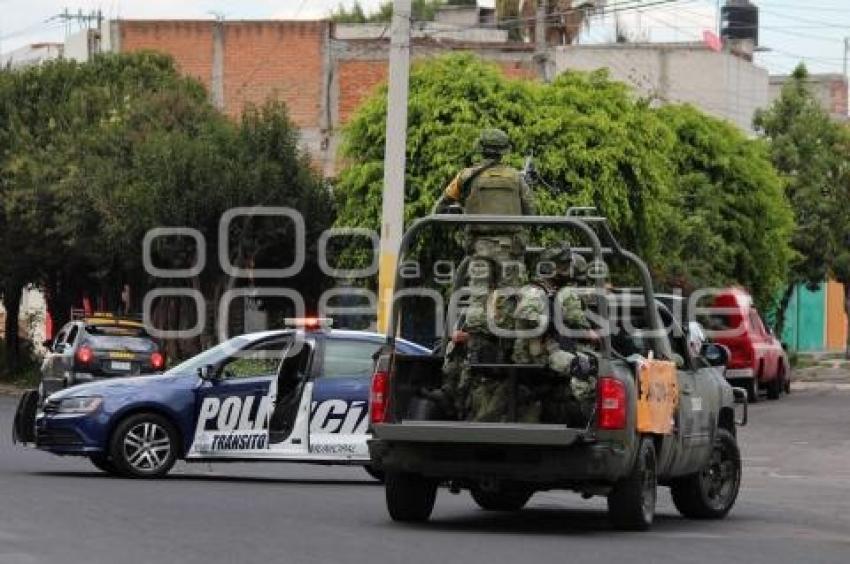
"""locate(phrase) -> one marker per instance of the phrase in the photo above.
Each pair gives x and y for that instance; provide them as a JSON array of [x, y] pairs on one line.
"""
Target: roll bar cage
[[583, 219]]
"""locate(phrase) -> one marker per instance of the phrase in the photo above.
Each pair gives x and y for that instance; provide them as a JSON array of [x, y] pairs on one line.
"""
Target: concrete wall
[[32, 319], [721, 84], [829, 89], [33, 54]]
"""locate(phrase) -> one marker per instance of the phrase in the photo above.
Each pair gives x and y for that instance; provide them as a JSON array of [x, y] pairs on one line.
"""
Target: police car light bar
[[309, 322]]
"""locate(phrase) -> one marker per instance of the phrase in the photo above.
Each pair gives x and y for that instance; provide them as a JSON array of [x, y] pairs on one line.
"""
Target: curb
[[831, 386], [10, 391]]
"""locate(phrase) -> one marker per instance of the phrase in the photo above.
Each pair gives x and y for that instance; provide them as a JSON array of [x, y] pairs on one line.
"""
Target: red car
[[757, 359]]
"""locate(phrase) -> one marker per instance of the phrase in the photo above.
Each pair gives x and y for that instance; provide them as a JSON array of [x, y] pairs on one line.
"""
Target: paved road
[[794, 507]]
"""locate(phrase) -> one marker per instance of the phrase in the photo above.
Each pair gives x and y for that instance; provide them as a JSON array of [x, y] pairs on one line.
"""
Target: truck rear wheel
[[410, 497], [374, 472], [501, 500], [711, 493], [631, 504]]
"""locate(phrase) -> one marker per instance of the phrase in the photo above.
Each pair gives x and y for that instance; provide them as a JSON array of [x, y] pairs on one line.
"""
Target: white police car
[[290, 395]]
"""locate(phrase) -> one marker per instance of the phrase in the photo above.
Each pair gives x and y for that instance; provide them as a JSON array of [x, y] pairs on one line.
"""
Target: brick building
[[322, 71]]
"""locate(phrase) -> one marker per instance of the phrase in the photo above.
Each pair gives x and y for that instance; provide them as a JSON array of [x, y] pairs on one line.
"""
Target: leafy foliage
[[94, 155], [421, 10], [813, 155], [735, 222], [692, 195]]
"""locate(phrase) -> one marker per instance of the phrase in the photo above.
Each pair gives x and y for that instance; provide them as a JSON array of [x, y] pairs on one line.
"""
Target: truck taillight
[[157, 361], [378, 397], [611, 404], [84, 355]]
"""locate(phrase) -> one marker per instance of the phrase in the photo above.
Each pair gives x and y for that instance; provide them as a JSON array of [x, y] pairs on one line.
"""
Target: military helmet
[[566, 262], [494, 141], [560, 254]]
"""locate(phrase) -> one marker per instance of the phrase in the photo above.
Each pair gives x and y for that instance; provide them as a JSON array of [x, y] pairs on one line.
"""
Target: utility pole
[[392, 210], [846, 52], [541, 49]]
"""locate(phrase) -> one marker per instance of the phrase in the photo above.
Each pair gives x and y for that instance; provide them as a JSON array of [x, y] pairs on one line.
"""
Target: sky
[[791, 31]]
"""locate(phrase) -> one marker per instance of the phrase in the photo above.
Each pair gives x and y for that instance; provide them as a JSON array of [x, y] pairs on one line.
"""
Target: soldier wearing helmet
[[497, 252], [550, 302]]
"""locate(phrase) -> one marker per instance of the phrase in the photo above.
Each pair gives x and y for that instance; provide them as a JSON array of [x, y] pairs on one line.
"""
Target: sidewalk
[[10, 390], [822, 373]]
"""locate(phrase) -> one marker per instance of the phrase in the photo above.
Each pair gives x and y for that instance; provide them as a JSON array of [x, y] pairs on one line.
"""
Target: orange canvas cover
[[658, 396]]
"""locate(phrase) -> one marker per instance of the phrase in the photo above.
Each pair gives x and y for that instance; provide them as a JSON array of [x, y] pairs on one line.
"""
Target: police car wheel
[[410, 497], [631, 504], [711, 493], [503, 500], [144, 446]]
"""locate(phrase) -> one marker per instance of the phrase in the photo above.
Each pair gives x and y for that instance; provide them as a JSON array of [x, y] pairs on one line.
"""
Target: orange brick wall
[[518, 70], [189, 42], [281, 59], [357, 80]]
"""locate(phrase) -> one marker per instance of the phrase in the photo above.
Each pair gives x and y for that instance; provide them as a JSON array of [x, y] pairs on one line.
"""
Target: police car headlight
[[80, 404]]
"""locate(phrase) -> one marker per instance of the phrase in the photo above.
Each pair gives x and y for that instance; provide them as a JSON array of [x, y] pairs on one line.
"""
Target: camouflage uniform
[[564, 400], [497, 259]]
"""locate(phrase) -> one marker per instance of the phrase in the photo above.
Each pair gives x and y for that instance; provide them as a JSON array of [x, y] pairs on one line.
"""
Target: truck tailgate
[[479, 433]]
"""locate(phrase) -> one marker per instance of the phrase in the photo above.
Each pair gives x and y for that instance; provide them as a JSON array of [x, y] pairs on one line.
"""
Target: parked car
[[287, 395], [757, 358], [98, 346]]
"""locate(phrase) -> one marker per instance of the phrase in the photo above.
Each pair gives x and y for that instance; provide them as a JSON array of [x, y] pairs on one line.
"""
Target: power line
[[554, 17]]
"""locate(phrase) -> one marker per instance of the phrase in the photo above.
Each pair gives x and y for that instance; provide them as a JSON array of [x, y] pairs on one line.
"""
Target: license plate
[[739, 373], [120, 365]]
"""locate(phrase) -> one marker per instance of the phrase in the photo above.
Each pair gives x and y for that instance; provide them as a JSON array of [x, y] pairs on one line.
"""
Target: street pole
[[541, 52], [846, 50], [392, 209], [844, 76]]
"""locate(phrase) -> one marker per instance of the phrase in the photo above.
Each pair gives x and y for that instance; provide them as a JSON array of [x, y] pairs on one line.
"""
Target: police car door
[[291, 393], [234, 406], [340, 407]]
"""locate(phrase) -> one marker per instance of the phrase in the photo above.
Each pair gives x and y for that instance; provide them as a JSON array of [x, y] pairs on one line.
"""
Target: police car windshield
[[212, 356]]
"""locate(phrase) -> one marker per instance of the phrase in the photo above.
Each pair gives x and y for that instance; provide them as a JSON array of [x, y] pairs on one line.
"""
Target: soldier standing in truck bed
[[497, 251]]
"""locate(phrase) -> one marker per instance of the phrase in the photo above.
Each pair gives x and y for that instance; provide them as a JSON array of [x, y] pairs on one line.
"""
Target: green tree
[[46, 113], [94, 155], [652, 172], [813, 155], [422, 10], [735, 220]]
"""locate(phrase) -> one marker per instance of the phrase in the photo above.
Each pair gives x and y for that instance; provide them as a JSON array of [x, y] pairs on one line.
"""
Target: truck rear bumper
[[578, 463], [480, 433]]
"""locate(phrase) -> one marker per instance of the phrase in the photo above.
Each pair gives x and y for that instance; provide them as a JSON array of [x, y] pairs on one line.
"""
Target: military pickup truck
[[661, 415]]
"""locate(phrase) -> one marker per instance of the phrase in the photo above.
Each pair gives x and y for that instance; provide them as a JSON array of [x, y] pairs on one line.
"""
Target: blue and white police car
[[298, 394]]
